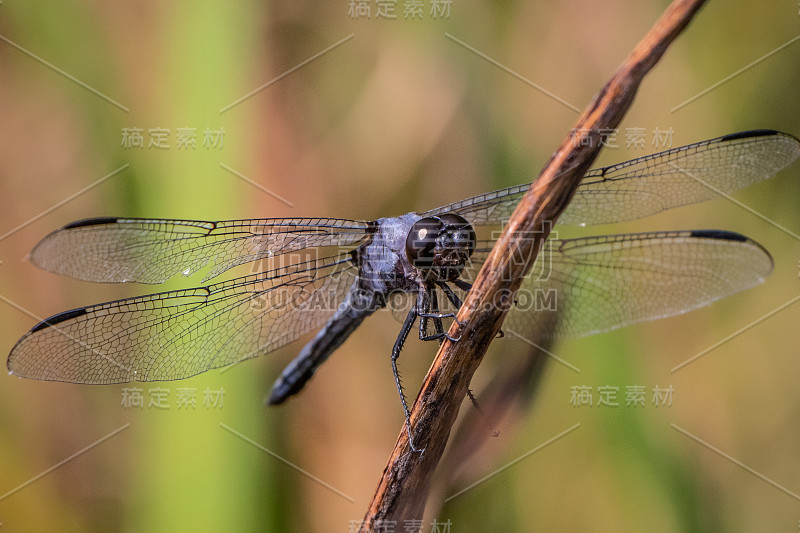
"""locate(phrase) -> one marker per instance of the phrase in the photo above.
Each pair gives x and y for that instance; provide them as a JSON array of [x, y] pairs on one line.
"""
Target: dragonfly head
[[441, 245]]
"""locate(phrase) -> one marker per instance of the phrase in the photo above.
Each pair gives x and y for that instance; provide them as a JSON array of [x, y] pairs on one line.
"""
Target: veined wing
[[651, 184], [153, 250], [177, 334], [597, 284]]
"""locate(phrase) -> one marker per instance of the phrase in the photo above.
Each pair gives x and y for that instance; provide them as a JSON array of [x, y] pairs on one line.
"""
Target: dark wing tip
[[97, 221], [46, 243], [749, 134], [718, 234], [13, 362], [724, 235], [57, 319]]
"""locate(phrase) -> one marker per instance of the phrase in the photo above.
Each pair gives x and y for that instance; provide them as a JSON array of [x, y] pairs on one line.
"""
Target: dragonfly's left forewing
[[681, 176], [648, 185], [485, 209]]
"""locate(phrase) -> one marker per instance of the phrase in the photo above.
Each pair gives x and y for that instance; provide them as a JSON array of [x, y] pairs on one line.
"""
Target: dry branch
[[403, 489]]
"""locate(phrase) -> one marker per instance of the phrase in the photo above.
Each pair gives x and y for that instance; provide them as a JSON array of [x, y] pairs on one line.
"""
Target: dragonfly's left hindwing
[[596, 284]]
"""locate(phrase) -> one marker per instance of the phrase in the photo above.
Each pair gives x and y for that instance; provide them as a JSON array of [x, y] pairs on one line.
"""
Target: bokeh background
[[396, 117]]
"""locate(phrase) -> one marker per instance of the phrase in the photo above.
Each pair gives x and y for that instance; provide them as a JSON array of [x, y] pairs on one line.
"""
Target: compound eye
[[421, 241], [461, 231]]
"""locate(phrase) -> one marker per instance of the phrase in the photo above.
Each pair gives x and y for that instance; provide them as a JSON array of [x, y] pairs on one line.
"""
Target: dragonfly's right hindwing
[[178, 334]]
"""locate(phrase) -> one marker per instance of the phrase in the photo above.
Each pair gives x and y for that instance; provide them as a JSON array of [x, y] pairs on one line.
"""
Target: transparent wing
[[174, 335], [153, 250], [651, 184], [597, 284]]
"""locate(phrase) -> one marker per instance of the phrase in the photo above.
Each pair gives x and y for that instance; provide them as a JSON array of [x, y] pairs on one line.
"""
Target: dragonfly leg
[[454, 299], [474, 400], [424, 311], [428, 307], [463, 285], [398, 346], [438, 327]]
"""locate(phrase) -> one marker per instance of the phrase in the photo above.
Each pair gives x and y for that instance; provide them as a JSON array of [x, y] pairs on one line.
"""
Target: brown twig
[[403, 489]]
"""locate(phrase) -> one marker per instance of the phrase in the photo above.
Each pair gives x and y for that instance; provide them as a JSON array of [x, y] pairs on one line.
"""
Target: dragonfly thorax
[[441, 245]]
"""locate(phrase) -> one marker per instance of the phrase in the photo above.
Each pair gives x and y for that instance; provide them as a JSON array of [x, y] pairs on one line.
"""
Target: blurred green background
[[398, 117]]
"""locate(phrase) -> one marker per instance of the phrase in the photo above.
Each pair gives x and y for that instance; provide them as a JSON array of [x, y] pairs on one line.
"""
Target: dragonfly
[[328, 275]]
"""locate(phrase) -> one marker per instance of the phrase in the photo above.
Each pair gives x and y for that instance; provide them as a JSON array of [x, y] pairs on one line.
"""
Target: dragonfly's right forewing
[[153, 250]]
